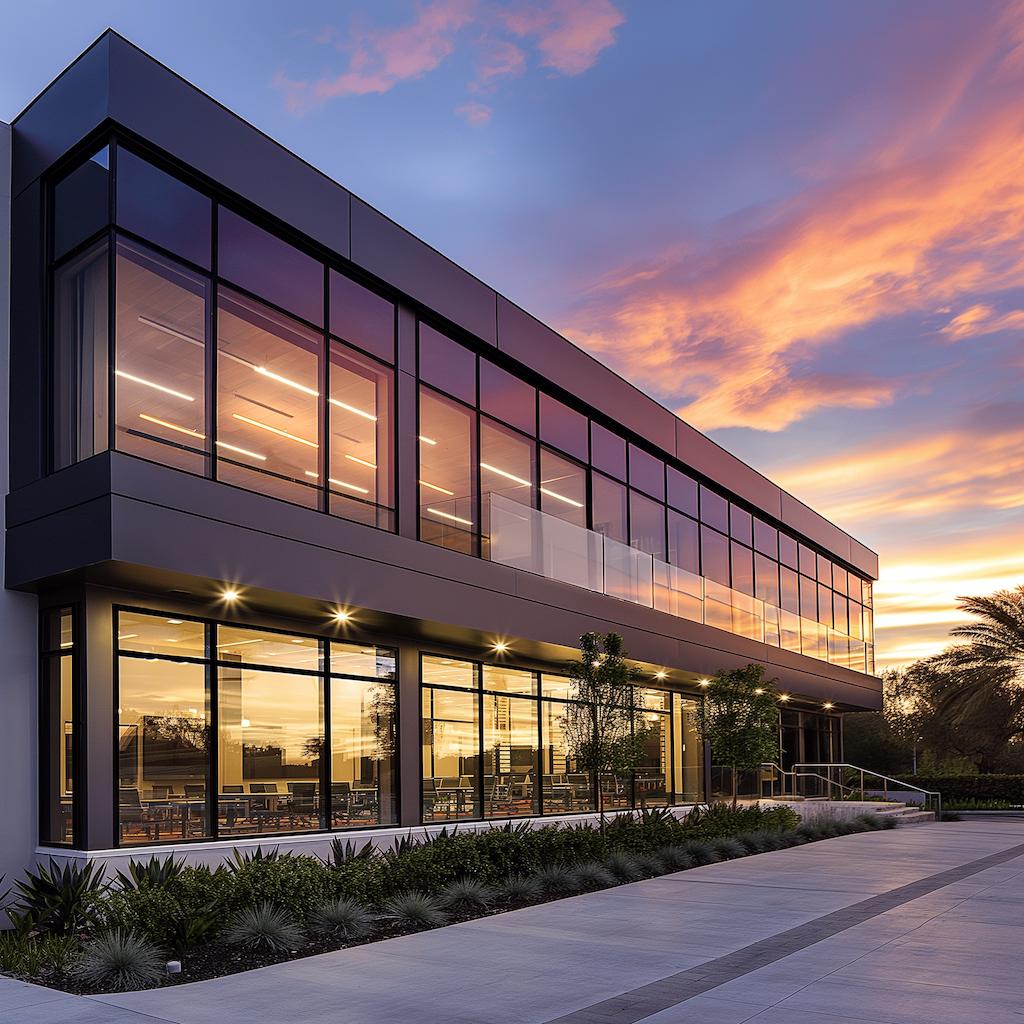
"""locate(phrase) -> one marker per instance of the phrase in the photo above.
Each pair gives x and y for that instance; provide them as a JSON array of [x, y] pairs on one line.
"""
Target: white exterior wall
[[18, 629]]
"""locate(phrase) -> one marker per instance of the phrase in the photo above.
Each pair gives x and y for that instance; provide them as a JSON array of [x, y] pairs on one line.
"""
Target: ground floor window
[[494, 746], [57, 718], [224, 730]]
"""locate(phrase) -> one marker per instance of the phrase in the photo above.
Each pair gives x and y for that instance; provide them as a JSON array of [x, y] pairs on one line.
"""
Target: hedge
[[973, 787]]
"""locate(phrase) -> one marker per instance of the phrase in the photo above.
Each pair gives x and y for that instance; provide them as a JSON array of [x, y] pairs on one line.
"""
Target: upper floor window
[[81, 203]]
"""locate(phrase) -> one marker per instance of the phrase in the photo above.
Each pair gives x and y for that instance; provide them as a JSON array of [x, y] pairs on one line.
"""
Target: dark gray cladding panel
[[383, 248], [805, 520], [864, 558], [536, 345]]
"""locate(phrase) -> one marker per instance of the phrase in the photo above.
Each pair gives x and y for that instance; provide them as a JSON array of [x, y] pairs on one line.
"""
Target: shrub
[[950, 816], [593, 875], [973, 787], [648, 865], [241, 859], [120, 960], [416, 909], [264, 927], [722, 820], [623, 866], [26, 956], [298, 884], [700, 853], [58, 900], [728, 849], [755, 842], [342, 917], [468, 894], [674, 858], [521, 889], [556, 880], [342, 851]]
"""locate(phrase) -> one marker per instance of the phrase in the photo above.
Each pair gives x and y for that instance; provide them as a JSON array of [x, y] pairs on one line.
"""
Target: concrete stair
[[907, 814]]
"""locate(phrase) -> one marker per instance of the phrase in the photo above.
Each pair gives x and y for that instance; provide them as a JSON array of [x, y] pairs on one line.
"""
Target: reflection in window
[[81, 203], [147, 633], [163, 750], [714, 555], [688, 760], [449, 672], [742, 568], [57, 714], [647, 525], [766, 580], [566, 790], [451, 743], [563, 427], [714, 509], [362, 317], [787, 550], [563, 488], [362, 470], [509, 680], [447, 481], [447, 365], [510, 756], [646, 472], [78, 384], [607, 451], [506, 467], [652, 772], [507, 398], [682, 492], [608, 508], [271, 738], [766, 539], [268, 435], [160, 349], [683, 542], [363, 753], [808, 598], [741, 525]]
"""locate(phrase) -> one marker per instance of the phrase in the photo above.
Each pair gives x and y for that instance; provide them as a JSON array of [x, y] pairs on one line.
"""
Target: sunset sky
[[797, 224]]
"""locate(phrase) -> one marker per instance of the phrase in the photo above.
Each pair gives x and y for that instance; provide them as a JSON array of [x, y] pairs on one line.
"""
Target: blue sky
[[797, 224]]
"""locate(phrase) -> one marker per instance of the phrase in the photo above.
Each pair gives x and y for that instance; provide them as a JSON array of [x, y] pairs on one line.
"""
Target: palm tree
[[996, 640]]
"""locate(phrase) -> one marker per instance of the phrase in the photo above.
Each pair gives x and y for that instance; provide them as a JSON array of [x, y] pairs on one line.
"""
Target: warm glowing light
[[171, 426], [505, 473], [499, 647], [175, 622], [828, 705], [661, 674], [340, 483], [287, 381], [351, 408], [427, 440], [448, 515], [759, 690], [561, 497], [341, 616], [704, 682], [156, 325], [438, 488], [230, 594], [783, 697], [241, 451], [275, 430], [152, 384], [361, 462]]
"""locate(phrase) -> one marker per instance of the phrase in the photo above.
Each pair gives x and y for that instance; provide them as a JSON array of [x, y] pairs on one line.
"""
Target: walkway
[[921, 925]]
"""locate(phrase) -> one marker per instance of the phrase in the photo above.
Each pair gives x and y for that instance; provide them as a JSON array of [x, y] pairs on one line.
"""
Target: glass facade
[[58, 717]]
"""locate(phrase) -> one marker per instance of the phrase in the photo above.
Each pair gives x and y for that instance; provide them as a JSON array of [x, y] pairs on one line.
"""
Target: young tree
[[604, 732], [739, 717]]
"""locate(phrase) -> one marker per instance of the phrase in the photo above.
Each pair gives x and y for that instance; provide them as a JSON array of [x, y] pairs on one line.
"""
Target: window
[[766, 580], [268, 387], [766, 539], [787, 551], [683, 542], [361, 480], [608, 508], [81, 203], [840, 579], [447, 365], [824, 605], [607, 452], [808, 564], [566, 789], [447, 481], [742, 568], [362, 318], [78, 383], [682, 492], [789, 592], [58, 718], [646, 473], [507, 398], [840, 614], [824, 571], [714, 510], [714, 555], [647, 525], [506, 468], [509, 755], [808, 598], [260, 263], [563, 488], [563, 427], [741, 525], [160, 355], [162, 209]]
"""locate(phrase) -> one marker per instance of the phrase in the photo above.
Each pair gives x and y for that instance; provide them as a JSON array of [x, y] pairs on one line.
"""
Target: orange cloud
[[722, 331], [981, 319]]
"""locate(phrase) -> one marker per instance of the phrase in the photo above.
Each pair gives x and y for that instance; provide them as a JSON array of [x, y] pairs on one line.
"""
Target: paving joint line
[[636, 1004]]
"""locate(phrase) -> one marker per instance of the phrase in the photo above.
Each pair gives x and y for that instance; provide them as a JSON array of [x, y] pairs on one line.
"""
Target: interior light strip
[[503, 472], [351, 408], [152, 384], [561, 497], [427, 440], [362, 462], [171, 426], [275, 430], [238, 643], [436, 487], [448, 515], [339, 483], [156, 325], [241, 451], [287, 381]]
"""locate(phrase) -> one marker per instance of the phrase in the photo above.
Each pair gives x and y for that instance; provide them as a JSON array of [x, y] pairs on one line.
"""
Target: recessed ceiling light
[[661, 674], [230, 594], [342, 616], [704, 682], [499, 647]]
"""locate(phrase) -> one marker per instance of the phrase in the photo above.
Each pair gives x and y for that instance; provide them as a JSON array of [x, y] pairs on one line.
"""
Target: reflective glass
[[787, 551], [447, 365], [714, 555], [506, 467], [556, 687], [566, 789], [81, 203], [509, 680], [508, 398], [742, 568], [682, 492], [510, 756], [362, 317], [808, 561], [362, 660], [563, 488], [149, 633], [56, 712], [442, 671], [808, 598], [653, 781], [766, 580], [646, 473], [714, 510], [741, 525], [447, 481], [608, 508], [824, 570], [840, 614], [563, 427], [263, 647], [646, 525], [451, 755], [607, 451], [824, 605], [683, 542], [766, 539]]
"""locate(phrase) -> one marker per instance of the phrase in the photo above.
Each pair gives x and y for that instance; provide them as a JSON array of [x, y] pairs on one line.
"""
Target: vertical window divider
[[479, 672], [478, 513], [326, 773], [538, 785], [213, 761], [211, 351], [111, 298], [323, 413]]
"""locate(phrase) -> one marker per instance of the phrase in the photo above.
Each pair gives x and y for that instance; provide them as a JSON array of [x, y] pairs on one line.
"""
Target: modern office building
[[304, 520]]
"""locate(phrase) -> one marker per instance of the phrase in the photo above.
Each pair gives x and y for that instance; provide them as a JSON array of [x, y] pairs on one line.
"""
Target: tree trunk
[[735, 786], [600, 802]]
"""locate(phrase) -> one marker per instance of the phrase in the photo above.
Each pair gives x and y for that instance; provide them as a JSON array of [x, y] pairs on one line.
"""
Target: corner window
[[58, 719], [81, 203]]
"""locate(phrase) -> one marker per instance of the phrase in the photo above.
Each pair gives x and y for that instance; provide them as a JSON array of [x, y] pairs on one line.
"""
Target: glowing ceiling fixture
[[438, 488], [152, 384], [499, 647], [126, 636], [287, 381], [828, 705], [361, 462], [340, 483], [175, 622], [351, 408], [704, 682], [661, 674], [342, 616], [505, 473], [241, 451], [171, 426], [275, 430], [239, 643], [229, 594], [156, 325], [427, 440], [759, 690], [783, 697], [448, 515]]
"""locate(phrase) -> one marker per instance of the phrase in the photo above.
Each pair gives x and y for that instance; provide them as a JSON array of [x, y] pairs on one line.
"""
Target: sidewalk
[[920, 925]]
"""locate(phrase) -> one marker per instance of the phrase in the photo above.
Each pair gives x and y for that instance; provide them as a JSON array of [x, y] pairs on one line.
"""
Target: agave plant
[[241, 859], [416, 909], [343, 917], [119, 960], [593, 875], [515, 828], [465, 894], [343, 851], [264, 927], [153, 872], [521, 889], [623, 866], [58, 899]]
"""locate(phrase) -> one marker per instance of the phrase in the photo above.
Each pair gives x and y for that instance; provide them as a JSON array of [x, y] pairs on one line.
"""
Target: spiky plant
[[416, 909], [120, 960], [342, 851], [648, 865], [342, 917], [593, 875], [556, 880], [153, 872], [264, 927], [468, 894], [674, 858], [702, 853], [623, 866], [241, 859], [58, 899], [521, 889], [728, 848]]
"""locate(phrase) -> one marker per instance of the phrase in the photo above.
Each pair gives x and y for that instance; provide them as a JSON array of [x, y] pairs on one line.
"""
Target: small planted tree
[[604, 731], [739, 717]]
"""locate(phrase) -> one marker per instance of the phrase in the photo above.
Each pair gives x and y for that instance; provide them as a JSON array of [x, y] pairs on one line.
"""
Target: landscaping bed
[[78, 932]]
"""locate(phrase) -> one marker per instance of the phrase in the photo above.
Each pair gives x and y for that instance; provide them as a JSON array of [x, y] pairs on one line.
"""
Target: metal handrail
[[888, 781]]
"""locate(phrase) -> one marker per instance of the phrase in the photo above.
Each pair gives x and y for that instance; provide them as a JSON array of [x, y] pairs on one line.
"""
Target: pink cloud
[[476, 114], [570, 34], [981, 319]]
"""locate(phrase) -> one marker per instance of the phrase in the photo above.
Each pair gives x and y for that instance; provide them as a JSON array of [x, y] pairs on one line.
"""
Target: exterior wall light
[[783, 697]]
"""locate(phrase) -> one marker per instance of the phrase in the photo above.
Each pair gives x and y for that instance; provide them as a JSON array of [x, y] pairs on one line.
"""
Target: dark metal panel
[[383, 248], [805, 520], [863, 558], [82, 482], [533, 343], [100, 722], [409, 735], [407, 455]]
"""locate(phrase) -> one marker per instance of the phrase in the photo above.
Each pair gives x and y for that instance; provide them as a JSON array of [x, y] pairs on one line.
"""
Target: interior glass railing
[[537, 542]]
